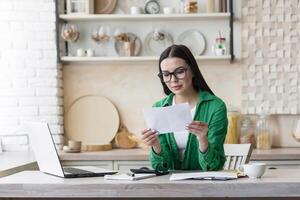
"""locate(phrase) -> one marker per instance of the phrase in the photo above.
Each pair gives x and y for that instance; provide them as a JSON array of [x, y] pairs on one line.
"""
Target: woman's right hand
[[150, 138]]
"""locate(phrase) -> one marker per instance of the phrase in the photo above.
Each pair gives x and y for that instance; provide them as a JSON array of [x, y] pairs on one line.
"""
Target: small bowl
[[74, 145], [254, 170]]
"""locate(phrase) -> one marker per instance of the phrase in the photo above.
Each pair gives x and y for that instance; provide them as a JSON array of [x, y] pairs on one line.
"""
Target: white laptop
[[42, 143]]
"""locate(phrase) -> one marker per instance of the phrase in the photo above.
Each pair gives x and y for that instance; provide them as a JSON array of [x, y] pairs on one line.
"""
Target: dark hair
[[181, 51]]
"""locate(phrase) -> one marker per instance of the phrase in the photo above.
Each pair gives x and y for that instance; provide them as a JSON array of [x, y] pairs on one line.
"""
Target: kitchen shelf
[[91, 17], [149, 18], [132, 59]]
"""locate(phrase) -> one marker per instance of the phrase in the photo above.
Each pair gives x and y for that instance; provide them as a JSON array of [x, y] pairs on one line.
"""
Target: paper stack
[[129, 177], [213, 175]]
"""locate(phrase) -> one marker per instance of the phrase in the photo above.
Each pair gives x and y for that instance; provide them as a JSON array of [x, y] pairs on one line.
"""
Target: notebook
[[212, 175], [128, 176]]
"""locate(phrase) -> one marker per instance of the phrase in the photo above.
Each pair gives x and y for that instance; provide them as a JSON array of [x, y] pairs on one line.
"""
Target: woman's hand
[[200, 129], [150, 138]]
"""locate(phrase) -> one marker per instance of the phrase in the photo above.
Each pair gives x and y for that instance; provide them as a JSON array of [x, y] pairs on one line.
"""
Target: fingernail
[[153, 131]]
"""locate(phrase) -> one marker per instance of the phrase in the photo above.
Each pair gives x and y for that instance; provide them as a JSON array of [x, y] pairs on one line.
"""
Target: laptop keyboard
[[76, 171]]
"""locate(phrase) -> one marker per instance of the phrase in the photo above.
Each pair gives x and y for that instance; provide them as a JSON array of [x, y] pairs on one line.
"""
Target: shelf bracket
[[231, 31]]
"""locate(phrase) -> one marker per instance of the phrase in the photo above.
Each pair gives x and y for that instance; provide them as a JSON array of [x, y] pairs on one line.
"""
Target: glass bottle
[[232, 136], [263, 132], [219, 47], [210, 6], [247, 131], [296, 129]]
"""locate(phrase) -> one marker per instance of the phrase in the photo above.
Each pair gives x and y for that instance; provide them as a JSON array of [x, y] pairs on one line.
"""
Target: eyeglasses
[[179, 73]]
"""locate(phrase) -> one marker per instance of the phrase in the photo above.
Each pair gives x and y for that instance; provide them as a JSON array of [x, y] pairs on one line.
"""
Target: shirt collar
[[203, 96]]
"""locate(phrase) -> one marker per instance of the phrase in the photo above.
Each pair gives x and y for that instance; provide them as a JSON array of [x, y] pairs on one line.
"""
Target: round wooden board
[[94, 120], [105, 6]]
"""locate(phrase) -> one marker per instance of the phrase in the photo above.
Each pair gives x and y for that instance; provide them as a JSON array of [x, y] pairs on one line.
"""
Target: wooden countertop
[[140, 154], [280, 183], [276, 154], [12, 162]]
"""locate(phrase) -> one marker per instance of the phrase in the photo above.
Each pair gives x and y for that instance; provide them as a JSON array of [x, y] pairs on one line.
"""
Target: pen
[[130, 174]]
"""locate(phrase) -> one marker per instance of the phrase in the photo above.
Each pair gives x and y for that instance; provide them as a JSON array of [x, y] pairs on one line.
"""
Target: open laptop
[[42, 143]]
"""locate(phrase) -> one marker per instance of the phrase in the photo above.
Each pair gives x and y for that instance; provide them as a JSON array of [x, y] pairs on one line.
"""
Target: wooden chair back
[[236, 155]]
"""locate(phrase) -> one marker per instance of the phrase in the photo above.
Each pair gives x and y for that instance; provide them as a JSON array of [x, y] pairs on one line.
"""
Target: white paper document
[[168, 119], [128, 177], [212, 175]]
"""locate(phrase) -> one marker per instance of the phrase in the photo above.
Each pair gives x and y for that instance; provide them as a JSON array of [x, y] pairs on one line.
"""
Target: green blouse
[[209, 109]]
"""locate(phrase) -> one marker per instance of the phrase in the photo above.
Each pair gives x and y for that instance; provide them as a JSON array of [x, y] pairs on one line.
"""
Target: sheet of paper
[[211, 175], [168, 119], [127, 177]]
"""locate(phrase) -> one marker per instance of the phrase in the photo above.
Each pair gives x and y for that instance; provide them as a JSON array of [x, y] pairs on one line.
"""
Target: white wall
[[30, 80]]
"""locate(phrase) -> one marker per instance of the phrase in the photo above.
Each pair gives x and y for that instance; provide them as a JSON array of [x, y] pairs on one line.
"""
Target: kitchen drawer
[[122, 165], [102, 164]]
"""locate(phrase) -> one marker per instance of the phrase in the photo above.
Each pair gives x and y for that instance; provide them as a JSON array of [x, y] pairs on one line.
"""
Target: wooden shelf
[[198, 16], [132, 59]]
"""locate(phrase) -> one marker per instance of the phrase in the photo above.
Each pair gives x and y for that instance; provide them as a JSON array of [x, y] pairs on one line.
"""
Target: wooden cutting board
[[94, 120], [123, 140]]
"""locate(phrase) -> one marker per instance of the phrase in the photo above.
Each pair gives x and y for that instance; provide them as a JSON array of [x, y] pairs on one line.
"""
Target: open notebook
[[128, 176], [212, 175]]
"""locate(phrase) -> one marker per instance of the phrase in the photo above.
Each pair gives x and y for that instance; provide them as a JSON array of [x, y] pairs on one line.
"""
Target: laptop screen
[[44, 149]]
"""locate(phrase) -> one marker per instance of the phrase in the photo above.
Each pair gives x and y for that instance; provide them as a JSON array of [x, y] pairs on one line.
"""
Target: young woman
[[200, 147]]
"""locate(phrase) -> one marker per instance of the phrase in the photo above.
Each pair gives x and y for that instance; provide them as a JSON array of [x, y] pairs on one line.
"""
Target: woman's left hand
[[198, 128]]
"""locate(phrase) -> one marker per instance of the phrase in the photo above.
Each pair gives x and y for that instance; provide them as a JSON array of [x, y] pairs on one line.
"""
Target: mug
[[89, 52], [80, 52], [74, 145], [254, 170], [134, 10]]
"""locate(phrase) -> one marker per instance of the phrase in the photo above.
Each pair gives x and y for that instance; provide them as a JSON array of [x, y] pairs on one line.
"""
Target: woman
[[200, 147]]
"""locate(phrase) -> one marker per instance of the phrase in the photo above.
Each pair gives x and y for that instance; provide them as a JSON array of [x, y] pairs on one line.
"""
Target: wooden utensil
[[122, 139], [139, 142]]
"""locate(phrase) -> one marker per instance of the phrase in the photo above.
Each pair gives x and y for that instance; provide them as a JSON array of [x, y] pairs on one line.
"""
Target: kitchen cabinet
[[147, 21], [122, 165], [118, 165], [102, 164]]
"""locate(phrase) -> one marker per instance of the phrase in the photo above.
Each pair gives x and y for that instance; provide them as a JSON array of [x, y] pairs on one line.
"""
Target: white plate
[[153, 47], [194, 40]]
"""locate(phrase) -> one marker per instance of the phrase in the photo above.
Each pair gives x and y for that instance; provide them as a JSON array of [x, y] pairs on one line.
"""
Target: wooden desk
[[275, 184], [13, 162]]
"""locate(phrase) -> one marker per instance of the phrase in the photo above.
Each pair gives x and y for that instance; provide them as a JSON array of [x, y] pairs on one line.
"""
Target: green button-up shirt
[[211, 110]]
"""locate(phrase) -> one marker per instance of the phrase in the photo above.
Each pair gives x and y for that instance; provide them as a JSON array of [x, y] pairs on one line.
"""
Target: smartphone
[[146, 170]]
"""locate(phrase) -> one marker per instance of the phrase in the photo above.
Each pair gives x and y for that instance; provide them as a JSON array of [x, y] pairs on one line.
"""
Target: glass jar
[[296, 129], [219, 47], [232, 136], [247, 131], [190, 6], [263, 132]]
